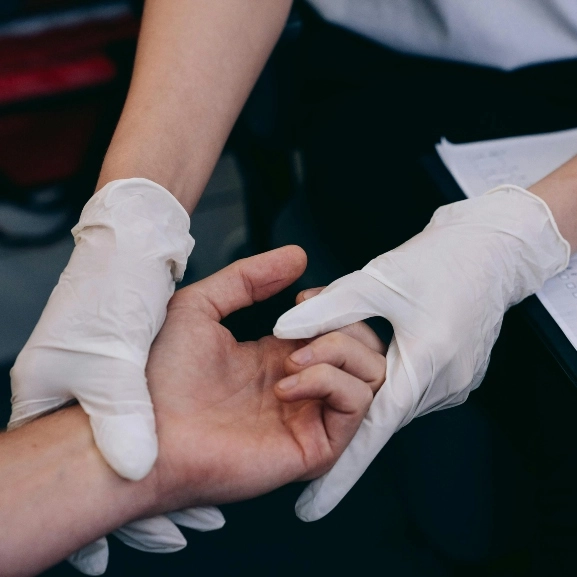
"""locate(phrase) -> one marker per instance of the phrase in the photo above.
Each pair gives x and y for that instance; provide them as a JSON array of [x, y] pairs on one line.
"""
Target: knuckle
[[381, 374], [328, 342], [334, 339], [319, 373], [367, 397], [330, 347]]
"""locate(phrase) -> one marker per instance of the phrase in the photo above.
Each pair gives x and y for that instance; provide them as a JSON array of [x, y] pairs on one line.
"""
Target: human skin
[[559, 191], [227, 430], [195, 66]]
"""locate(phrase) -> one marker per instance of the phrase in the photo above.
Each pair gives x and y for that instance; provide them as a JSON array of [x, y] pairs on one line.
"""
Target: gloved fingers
[[322, 495], [345, 398], [154, 535], [359, 330], [198, 518], [112, 391], [246, 281], [392, 408], [349, 299], [343, 352], [124, 430], [91, 559], [117, 400]]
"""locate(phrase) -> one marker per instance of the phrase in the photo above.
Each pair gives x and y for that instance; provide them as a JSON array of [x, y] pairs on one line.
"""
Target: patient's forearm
[[196, 64], [559, 191], [57, 493]]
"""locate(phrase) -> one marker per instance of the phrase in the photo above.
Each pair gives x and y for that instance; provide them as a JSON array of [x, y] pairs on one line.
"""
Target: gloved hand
[[92, 341], [445, 292], [153, 535]]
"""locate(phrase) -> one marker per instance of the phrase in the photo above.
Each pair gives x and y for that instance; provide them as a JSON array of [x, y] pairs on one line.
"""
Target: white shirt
[[505, 34]]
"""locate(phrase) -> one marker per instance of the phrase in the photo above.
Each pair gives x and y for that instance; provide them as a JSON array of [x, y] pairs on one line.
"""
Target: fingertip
[[199, 518], [298, 253], [327, 312], [280, 331], [291, 259], [128, 443], [289, 326], [302, 356], [91, 559], [284, 386], [312, 505], [153, 535], [290, 367], [308, 294], [303, 515], [303, 507]]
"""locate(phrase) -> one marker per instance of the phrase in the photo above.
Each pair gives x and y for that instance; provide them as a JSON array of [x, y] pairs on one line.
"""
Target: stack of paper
[[479, 166]]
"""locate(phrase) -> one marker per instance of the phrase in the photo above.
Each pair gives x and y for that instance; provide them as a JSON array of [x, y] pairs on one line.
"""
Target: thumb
[[128, 442], [122, 418], [352, 298], [244, 282]]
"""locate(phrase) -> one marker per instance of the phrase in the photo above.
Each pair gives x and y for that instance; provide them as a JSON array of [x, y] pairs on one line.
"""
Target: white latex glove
[[445, 292], [154, 535], [93, 338]]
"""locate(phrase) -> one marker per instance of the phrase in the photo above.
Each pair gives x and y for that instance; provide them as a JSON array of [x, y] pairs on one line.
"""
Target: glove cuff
[[135, 206], [564, 246]]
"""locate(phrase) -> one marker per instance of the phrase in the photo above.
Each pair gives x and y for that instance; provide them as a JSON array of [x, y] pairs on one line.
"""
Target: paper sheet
[[480, 166]]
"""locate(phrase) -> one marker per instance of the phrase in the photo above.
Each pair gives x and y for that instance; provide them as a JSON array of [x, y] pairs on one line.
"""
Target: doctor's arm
[[559, 191], [196, 64]]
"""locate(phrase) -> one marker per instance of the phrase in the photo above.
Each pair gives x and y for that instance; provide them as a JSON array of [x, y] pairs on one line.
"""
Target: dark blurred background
[[474, 491]]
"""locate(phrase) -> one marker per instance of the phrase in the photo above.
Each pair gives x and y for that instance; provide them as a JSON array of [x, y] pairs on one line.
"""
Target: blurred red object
[[56, 78], [54, 71]]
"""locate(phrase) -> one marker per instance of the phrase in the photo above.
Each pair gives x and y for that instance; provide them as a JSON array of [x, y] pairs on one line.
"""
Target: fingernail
[[311, 293], [302, 356], [289, 383]]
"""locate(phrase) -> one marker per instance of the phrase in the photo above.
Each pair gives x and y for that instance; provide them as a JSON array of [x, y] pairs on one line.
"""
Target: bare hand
[[229, 428]]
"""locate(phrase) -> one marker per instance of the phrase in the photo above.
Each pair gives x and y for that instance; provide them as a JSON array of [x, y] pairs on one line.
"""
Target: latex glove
[[154, 535], [93, 338], [445, 292]]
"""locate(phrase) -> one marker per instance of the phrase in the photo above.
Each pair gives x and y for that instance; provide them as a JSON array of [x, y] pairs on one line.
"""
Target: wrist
[[57, 493], [559, 191], [116, 500]]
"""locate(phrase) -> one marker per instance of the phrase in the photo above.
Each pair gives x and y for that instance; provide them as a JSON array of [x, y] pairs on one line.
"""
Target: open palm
[[226, 430]]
